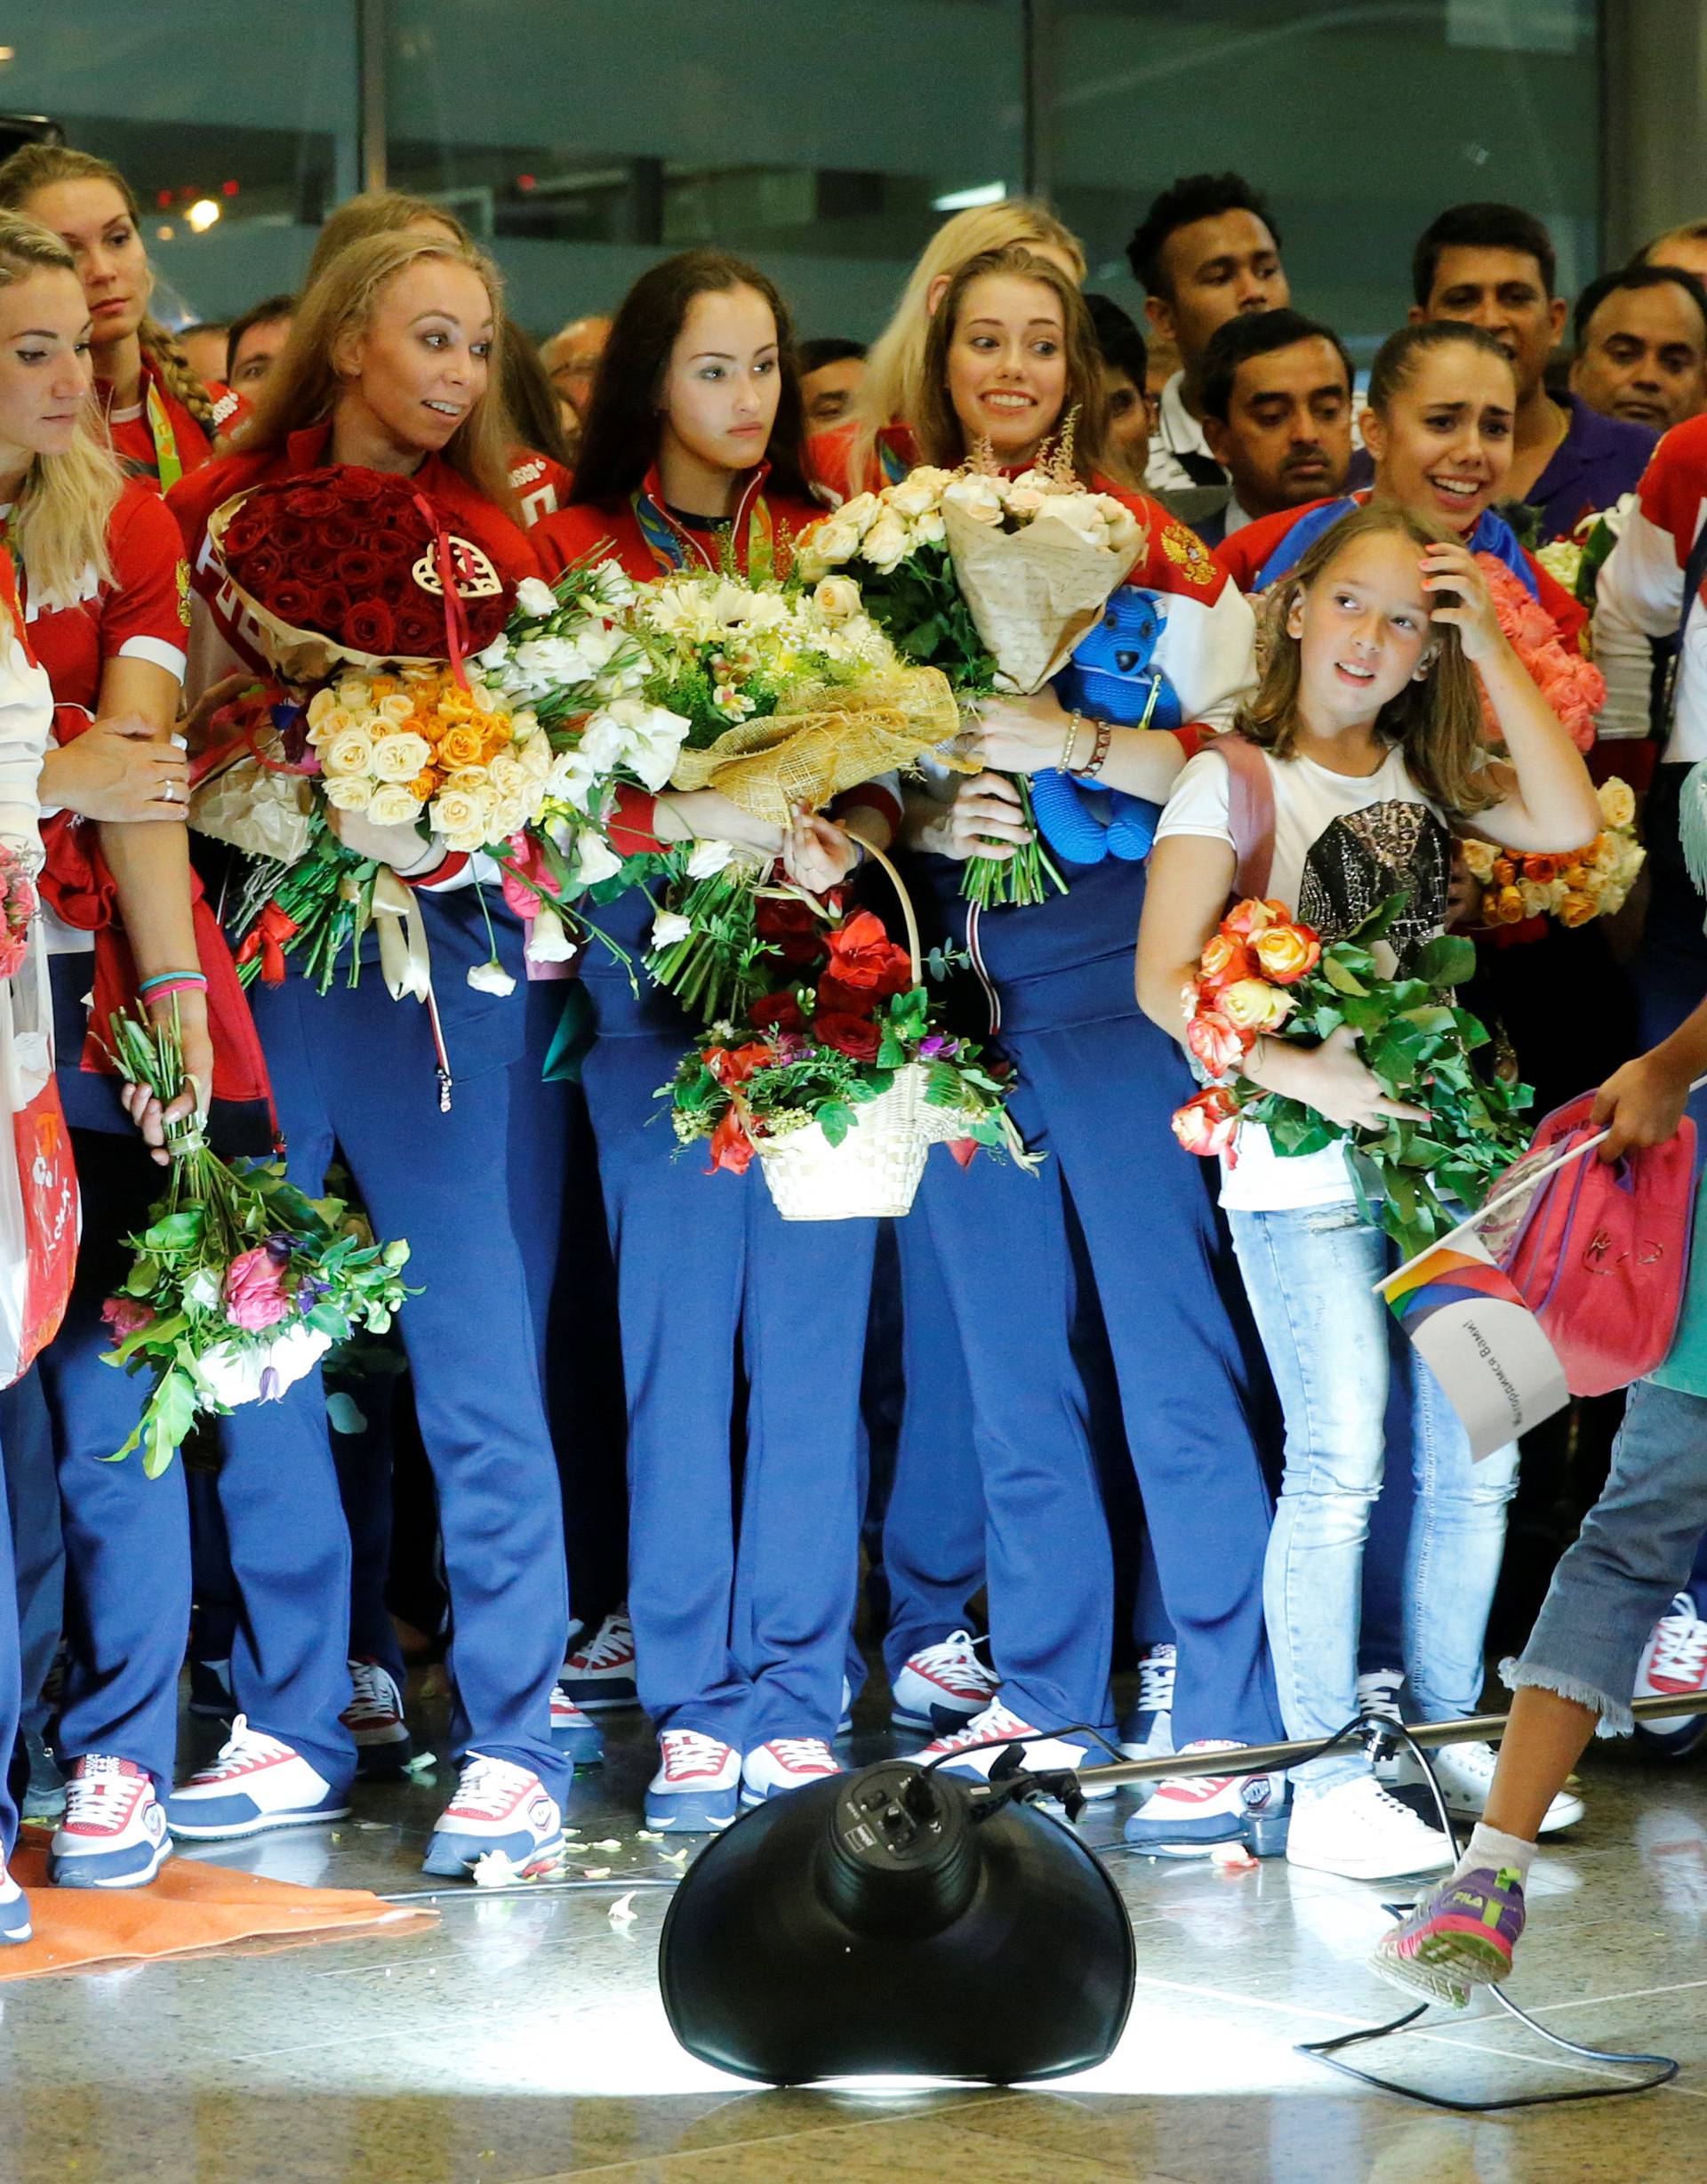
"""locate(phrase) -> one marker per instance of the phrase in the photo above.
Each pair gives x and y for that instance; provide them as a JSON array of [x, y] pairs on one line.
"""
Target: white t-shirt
[[1342, 844]]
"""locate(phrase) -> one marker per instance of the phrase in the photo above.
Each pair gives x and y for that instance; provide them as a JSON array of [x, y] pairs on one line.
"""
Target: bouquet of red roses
[[850, 1055], [17, 908], [361, 561], [1264, 972]]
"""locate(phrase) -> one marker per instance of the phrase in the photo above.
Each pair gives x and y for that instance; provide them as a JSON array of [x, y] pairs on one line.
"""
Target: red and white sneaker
[[942, 1686], [114, 1832], [498, 1806], [14, 1910], [572, 1732], [785, 1764], [255, 1783], [975, 1749], [1674, 1665], [600, 1672], [696, 1789], [374, 1720], [1185, 1816]]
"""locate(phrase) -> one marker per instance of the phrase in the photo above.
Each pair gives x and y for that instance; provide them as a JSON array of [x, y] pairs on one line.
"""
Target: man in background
[[1685, 246], [255, 342], [1125, 372], [1641, 346], [1207, 250], [1276, 393], [1494, 266], [831, 370], [571, 359], [205, 346]]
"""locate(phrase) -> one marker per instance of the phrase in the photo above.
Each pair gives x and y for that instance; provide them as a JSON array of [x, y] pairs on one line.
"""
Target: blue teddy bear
[[1110, 677]]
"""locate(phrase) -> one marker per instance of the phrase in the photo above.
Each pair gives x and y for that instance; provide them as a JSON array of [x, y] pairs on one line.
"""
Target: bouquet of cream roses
[[994, 580]]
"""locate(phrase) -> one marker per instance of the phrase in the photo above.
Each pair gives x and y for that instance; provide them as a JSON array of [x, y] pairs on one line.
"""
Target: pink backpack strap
[[1250, 812]]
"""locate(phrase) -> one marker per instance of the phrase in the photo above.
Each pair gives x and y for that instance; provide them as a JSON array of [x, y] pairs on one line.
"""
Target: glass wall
[[826, 140]]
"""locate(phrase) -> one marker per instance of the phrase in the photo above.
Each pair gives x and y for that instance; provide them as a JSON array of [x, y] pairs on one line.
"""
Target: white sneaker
[[975, 1749], [1148, 1732], [1673, 1665], [943, 1686], [572, 1730], [1185, 1816], [1465, 1773], [697, 1788], [785, 1764], [256, 1783], [14, 1910], [498, 1806], [374, 1720], [1357, 1830], [600, 1672], [114, 1832]]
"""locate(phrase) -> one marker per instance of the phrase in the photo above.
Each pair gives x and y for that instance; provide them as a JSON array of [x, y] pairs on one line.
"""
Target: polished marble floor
[[520, 2037]]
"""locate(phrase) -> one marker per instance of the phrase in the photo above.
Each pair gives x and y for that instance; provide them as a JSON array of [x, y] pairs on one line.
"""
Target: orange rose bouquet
[[1265, 973]]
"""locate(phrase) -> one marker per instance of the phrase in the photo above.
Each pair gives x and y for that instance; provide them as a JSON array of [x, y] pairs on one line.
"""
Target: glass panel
[[169, 94], [582, 141], [1359, 123]]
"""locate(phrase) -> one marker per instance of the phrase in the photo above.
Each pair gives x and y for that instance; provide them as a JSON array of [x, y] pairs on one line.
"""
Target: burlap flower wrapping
[[822, 740], [250, 806], [1033, 592]]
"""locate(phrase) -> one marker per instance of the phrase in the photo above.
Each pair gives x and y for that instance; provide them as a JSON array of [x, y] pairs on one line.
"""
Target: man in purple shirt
[[1494, 266]]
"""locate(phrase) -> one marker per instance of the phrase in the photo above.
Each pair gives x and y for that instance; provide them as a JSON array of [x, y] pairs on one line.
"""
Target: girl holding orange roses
[[1368, 735], [391, 368], [741, 1613]]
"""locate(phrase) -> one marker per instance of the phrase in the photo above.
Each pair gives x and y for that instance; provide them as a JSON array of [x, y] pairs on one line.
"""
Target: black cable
[[1378, 1729]]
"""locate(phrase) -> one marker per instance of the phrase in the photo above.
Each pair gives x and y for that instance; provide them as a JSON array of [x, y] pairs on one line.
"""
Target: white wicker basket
[[875, 1171]]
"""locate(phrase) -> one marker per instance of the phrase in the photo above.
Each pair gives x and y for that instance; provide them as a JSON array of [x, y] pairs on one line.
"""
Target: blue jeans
[[1309, 1271], [1633, 1552]]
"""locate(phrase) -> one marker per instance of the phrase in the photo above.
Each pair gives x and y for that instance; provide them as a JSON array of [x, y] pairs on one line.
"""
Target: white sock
[[1489, 1849]]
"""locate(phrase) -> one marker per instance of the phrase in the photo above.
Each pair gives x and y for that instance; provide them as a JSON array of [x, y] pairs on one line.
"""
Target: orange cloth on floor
[[187, 1905]]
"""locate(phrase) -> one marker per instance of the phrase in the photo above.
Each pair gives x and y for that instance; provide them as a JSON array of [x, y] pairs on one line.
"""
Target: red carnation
[[857, 1037]]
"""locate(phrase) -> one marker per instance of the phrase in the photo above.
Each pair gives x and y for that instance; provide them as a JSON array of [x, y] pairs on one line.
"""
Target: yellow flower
[[1252, 1005], [1617, 802], [350, 753], [396, 709], [1578, 907], [350, 792], [460, 746], [1480, 857]]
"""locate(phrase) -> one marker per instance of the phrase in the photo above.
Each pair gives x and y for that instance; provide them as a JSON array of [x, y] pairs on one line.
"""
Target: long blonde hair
[[894, 364], [59, 520], [33, 167], [303, 387], [1436, 722], [377, 211], [936, 426]]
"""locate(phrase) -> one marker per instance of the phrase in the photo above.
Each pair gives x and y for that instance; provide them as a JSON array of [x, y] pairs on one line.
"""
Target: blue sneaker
[[1457, 1935], [572, 1732], [498, 1806], [14, 1910], [255, 1783], [114, 1832], [1186, 1816], [374, 1720], [697, 1788]]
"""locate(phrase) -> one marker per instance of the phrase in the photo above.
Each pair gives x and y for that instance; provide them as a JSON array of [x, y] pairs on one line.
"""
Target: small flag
[[1485, 1348]]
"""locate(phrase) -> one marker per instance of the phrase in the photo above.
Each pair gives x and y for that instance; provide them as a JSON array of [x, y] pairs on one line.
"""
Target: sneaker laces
[[1156, 1670], [486, 1789], [959, 1651], [240, 1750], [611, 1648], [691, 1749], [375, 1692], [1378, 1693], [565, 1708], [994, 1725], [96, 1785], [1680, 1645], [798, 1753]]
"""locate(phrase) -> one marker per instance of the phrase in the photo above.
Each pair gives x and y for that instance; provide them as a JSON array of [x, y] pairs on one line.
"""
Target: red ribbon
[[266, 938], [456, 615]]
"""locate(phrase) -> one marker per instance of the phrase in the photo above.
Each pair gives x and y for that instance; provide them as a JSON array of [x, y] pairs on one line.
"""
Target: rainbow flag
[[1482, 1342]]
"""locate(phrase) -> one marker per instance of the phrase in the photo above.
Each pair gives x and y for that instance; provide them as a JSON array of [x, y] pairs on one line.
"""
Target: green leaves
[[1446, 961]]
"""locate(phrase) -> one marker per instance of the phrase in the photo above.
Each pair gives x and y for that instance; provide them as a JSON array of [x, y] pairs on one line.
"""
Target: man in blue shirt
[[1494, 265]]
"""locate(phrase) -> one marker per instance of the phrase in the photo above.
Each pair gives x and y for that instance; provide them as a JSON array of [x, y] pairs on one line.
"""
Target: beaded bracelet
[[1093, 766], [1075, 721]]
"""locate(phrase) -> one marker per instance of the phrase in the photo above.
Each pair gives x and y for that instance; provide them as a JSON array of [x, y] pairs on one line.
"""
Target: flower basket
[[874, 1173]]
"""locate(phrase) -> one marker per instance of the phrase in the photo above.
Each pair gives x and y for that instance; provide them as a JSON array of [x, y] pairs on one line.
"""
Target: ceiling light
[[202, 213], [963, 200]]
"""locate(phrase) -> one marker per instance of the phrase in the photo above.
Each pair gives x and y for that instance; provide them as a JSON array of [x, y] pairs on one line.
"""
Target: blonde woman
[[161, 418], [392, 365], [875, 447]]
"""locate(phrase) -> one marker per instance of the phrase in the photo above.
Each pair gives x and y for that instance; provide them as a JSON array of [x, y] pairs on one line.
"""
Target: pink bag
[[1601, 1254]]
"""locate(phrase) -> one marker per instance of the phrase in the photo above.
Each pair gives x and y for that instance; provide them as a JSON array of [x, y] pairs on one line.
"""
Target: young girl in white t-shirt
[[1370, 728]]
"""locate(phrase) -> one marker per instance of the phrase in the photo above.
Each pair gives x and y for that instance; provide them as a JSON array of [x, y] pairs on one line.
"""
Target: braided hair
[[33, 167]]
